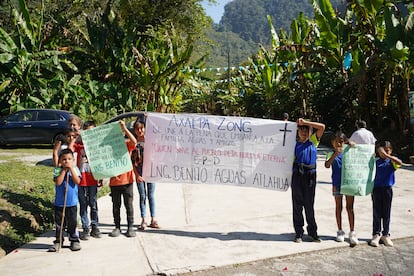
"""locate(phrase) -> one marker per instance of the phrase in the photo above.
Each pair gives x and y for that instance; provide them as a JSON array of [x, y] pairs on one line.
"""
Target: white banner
[[205, 149]]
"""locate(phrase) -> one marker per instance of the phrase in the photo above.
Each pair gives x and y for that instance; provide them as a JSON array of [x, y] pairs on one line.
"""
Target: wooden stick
[[63, 213]]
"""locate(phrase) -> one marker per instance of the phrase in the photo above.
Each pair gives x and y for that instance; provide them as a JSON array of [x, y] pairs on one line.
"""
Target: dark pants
[[303, 197], [381, 210], [127, 192], [70, 223]]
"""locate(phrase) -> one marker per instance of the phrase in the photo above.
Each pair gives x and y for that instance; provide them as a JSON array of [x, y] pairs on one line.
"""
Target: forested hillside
[[247, 19]]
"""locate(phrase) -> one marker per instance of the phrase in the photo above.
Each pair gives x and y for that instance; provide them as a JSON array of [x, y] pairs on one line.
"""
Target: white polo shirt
[[363, 136]]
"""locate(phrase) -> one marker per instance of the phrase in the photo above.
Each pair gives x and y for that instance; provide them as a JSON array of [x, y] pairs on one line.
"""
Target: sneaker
[[387, 240], [298, 239], [115, 233], [75, 246], [375, 240], [130, 232], [95, 232], [54, 247], [340, 236], [84, 235], [353, 240], [315, 238]]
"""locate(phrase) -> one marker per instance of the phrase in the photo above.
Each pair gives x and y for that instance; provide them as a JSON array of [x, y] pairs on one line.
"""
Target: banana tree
[[137, 70], [395, 61], [335, 44], [27, 64], [160, 59], [264, 79]]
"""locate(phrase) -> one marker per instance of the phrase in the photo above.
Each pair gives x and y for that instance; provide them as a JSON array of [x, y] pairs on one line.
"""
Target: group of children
[[75, 184], [304, 179]]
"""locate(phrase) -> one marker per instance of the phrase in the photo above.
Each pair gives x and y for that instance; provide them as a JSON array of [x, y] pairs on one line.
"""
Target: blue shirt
[[306, 152], [336, 169], [72, 193], [385, 173]]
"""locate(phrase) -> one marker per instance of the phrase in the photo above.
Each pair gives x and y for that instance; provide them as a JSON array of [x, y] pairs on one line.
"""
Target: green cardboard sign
[[106, 150], [358, 170]]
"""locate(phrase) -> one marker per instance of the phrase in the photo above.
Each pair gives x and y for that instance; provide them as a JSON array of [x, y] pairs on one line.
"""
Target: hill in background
[[244, 26]]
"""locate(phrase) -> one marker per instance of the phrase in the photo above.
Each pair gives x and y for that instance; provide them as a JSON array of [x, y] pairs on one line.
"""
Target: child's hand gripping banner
[[106, 150], [205, 149], [358, 170]]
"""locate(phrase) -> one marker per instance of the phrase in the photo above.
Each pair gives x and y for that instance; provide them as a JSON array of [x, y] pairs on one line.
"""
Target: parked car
[[33, 126], [129, 118]]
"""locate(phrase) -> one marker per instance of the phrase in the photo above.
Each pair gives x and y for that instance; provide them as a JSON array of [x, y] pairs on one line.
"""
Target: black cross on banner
[[284, 134]]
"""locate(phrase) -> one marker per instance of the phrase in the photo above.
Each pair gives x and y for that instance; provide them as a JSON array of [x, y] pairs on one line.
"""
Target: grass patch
[[26, 196]]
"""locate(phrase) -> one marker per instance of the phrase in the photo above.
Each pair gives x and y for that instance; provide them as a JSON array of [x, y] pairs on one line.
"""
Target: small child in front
[[66, 177], [382, 194]]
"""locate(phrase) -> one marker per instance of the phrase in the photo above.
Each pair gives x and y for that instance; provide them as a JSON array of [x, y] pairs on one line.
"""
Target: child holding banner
[[88, 190], [61, 142], [304, 178], [144, 188], [334, 160], [71, 135], [122, 185], [382, 194]]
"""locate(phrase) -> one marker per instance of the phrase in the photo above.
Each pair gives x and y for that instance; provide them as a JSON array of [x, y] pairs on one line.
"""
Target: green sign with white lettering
[[106, 150], [358, 170]]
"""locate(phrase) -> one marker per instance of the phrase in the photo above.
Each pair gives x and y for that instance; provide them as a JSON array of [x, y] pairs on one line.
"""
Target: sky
[[215, 11]]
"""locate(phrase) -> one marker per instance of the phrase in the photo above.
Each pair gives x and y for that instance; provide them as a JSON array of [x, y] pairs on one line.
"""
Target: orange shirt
[[125, 178]]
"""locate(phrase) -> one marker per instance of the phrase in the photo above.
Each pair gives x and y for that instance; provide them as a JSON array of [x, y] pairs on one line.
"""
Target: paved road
[[359, 260], [228, 230]]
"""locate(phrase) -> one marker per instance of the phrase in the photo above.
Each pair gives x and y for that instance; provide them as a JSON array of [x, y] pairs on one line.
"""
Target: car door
[[18, 127], [48, 124]]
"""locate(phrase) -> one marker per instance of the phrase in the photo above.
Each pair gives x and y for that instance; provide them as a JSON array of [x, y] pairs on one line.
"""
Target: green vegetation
[[26, 196], [103, 59], [26, 192], [98, 59]]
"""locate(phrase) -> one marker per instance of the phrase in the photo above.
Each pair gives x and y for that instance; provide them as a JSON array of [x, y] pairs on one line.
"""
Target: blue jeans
[[88, 197], [145, 189]]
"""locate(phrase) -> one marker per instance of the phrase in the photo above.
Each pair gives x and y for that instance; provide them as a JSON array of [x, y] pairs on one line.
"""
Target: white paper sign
[[206, 149]]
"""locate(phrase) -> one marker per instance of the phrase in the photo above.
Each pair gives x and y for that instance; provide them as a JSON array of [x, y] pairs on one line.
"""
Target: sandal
[[142, 226], [154, 224]]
